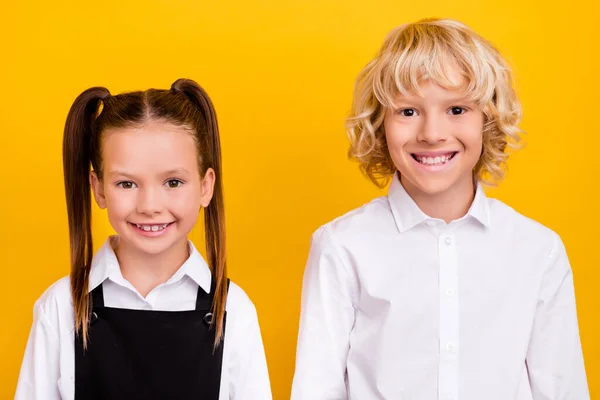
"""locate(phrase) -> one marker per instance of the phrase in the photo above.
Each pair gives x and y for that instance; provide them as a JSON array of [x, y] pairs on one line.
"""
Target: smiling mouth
[[434, 161], [151, 227]]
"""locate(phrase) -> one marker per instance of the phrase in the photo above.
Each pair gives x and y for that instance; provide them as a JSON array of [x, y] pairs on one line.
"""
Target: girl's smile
[[151, 230]]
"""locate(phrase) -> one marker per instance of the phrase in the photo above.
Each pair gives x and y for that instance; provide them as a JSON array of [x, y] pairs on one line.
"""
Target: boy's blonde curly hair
[[421, 51]]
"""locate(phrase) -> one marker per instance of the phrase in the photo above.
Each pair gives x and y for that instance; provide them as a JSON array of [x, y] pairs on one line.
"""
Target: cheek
[[467, 132], [397, 136], [472, 134], [184, 202], [473, 140], [119, 202]]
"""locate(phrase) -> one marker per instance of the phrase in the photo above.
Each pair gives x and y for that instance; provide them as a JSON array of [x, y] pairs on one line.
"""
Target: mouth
[[434, 160], [151, 227]]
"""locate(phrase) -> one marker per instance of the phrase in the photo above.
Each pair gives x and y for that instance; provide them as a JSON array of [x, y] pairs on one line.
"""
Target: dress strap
[[204, 300], [98, 296]]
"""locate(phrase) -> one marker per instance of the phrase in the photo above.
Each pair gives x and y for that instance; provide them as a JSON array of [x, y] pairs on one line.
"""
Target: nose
[[150, 201], [433, 130]]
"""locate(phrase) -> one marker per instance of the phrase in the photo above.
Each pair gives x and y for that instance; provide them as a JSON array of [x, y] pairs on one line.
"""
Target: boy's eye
[[174, 183], [126, 185], [408, 112], [457, 110]]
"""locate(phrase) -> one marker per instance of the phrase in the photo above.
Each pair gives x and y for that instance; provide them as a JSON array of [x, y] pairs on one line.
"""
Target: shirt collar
[[480, 208], [105, 265], [407, 213]]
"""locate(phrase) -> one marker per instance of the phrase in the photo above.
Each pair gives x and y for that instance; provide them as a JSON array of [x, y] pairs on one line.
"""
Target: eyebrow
[[176, 171], [458, 99], [400, 101]]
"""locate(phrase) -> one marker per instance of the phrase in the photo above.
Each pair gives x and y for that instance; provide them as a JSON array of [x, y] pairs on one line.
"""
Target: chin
[[433, 190], [430, 187], [157, 248]]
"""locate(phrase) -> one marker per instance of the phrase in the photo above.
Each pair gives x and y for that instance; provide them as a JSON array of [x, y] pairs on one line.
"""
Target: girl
[[436, 291], [146, 317]]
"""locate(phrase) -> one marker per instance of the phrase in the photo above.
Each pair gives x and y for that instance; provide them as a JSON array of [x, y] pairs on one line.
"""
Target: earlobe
[[98, 190], [207, 186]]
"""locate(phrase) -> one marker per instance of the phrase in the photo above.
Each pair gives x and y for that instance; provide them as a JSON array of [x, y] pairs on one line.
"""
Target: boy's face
[[435, 140]]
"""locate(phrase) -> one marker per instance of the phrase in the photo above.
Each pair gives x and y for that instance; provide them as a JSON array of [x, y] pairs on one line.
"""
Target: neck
[[146, 271], [449, 205]]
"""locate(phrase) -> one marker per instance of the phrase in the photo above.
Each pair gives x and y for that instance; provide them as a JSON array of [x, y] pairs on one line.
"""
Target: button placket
[[449, 317]]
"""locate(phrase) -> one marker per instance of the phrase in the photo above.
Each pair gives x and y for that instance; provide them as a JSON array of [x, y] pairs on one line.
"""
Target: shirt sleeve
[[326, 320], [249, 376], [38, 379], [554, 359]]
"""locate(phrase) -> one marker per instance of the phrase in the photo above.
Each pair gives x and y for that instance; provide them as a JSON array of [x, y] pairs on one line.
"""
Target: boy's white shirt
[[397, 305], [47, 371]]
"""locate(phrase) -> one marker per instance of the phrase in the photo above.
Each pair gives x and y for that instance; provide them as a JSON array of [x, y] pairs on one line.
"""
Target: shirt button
[[450, 292], [448, 241], [450, 347]]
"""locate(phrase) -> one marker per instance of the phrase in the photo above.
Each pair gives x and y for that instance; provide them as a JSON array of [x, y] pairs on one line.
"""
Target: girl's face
[[151, 185], [435, 140]]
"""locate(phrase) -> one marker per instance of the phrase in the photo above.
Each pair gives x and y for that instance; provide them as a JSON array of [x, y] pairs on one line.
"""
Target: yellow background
[[281, 75]]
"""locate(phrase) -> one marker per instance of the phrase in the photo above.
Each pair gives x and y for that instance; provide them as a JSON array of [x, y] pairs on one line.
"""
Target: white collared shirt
[[47, 372], [397, 305]]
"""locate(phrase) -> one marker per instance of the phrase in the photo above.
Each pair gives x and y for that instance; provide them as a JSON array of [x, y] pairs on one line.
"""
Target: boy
[[436, 291]]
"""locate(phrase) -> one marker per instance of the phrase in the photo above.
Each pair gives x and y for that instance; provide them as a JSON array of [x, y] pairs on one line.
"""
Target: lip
[[151, 223], [433, 153], [151, 233]]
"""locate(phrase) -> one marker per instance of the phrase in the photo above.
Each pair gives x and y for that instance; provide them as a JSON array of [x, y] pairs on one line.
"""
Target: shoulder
[[239, 303], [57, 296], [371, 218], [55, 305], [242, 318], [521, 228]]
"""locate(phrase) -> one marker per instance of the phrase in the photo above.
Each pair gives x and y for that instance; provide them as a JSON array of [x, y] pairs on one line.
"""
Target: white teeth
[[434, 160], [153, 228]]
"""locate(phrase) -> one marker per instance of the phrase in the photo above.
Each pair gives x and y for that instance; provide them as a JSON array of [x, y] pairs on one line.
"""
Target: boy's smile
[[434, 160]]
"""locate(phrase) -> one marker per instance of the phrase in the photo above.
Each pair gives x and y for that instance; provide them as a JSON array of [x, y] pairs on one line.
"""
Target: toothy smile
[[152, 228], [436, 160]]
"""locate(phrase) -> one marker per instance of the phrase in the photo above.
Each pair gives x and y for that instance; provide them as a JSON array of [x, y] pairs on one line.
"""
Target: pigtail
[[77, 154], [214, 214]]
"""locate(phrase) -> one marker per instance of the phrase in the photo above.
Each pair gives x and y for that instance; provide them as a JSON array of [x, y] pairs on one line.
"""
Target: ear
[[98, 189], [207, 186]]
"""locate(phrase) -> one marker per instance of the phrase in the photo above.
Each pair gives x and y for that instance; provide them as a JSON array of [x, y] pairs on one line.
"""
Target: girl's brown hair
[[186, 104]]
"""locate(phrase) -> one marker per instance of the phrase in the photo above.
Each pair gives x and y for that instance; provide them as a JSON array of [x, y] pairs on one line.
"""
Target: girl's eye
[[408, 112], [126, 185], [457, 110], [174, 183]]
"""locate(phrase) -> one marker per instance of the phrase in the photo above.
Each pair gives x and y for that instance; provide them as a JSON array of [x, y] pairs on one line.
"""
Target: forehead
[[405, 71], [432, 92], [450, 77], [150, 148]]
